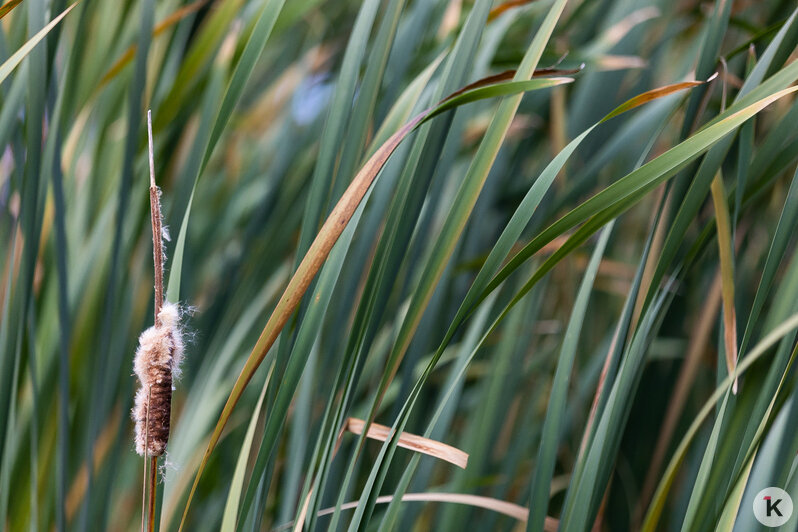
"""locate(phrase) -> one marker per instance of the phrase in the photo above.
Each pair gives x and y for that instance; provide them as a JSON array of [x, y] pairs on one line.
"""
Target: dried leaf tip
[[157, 366]]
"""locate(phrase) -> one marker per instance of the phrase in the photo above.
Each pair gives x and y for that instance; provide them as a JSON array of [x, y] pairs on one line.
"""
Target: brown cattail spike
[[157, 365]]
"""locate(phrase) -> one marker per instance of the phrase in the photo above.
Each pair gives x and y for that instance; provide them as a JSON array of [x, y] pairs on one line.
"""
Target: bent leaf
[[726, 273], [414, 442], [509, 509]]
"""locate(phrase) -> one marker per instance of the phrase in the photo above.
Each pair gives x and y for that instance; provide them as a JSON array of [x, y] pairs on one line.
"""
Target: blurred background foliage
[[587, 379]]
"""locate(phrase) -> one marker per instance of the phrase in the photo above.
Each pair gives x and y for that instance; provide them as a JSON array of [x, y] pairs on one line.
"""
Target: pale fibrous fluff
[[157, 365]]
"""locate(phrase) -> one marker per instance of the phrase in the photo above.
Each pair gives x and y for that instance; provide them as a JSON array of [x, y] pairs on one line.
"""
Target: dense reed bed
[[451, 264]]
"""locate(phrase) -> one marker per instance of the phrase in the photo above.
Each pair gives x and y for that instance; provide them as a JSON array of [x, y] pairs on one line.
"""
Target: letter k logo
[[773, 506]]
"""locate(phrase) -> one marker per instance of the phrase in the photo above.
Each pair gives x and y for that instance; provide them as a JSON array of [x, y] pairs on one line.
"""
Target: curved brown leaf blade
[[310, 265], [506, 6], [413, 442], [726, 254], [653, 94], [6, 8], [507, 75], [327, 237], [492, 91]]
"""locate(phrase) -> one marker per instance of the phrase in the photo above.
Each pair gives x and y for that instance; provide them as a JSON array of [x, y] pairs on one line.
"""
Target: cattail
[[157, 365], [157, 362]]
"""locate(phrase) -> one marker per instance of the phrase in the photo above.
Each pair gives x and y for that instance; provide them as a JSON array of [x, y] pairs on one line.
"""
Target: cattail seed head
[[157, 365]]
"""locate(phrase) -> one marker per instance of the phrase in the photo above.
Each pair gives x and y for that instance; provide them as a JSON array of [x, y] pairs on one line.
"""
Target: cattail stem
[[157, 229], [144, 481], [157, 259], [153, 484]]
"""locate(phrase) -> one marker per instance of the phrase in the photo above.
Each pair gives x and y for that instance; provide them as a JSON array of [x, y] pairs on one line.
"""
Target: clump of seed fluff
[[157, 365]]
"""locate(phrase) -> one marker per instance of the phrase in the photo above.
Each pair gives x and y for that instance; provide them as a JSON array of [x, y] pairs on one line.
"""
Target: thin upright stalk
[[144, 481], [157, 257], [155, 219], [153, 484]]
